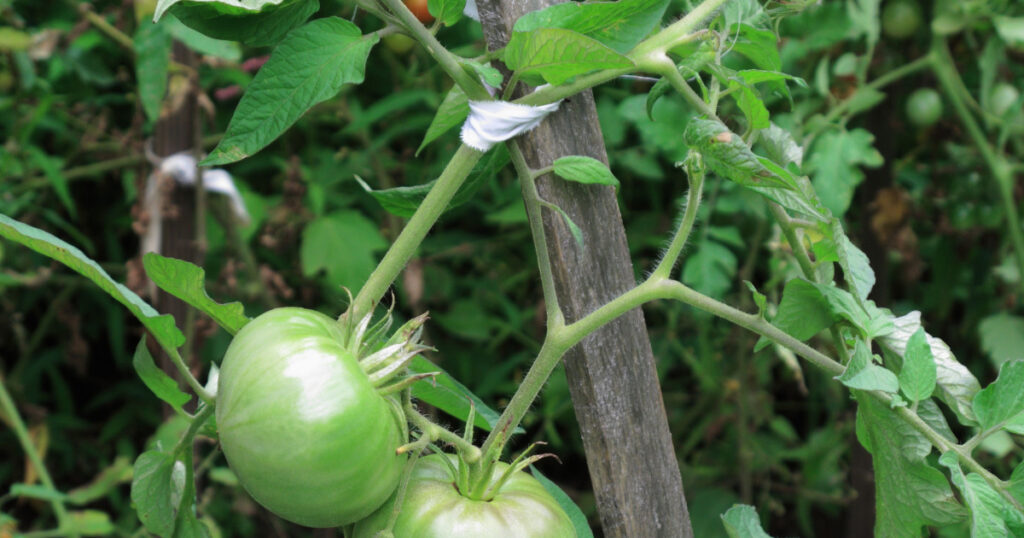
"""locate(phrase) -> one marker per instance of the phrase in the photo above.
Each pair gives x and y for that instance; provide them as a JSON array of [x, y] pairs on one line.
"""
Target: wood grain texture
[[612, 376]]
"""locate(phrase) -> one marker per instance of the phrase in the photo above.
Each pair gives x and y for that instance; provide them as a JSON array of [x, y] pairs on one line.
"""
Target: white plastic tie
[[491, 122]]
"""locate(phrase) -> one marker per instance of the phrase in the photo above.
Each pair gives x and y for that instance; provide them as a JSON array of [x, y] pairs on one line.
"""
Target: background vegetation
[[749, 427]]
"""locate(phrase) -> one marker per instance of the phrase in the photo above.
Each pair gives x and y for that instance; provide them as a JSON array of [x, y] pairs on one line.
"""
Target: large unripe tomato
[[924, 107], [307, 434], [434, 508]]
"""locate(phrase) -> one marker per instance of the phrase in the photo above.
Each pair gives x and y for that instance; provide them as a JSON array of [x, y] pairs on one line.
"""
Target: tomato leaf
[[956, 384], [582, 169], [91, 523], [186, 281], [1002, 337], [344, 244], [835, 162], [619, 25], [188, 526], [254, 22], [1003, 399], [557, 55], [156, 379], [153, 491], [450, 396], [403, 201], [579, 521], [453, 111], [309, 66], [909, 492], [742, 521], [152, 45], [862, 372], [161, 326], [991, 515], [917, 377], [447, 11]]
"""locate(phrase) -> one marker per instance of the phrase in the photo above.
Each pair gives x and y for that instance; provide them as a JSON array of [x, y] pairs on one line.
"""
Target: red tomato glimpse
[[419, 8]]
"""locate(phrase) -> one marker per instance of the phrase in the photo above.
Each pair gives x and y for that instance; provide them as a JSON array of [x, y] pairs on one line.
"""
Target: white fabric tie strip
[[490, 122], [182, 167]]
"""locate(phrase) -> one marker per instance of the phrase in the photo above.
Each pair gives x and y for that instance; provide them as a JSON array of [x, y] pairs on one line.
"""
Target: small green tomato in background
[[924, 107], [901, 18], [434, 508], [1003, 97], [301, 424], [399, 43]]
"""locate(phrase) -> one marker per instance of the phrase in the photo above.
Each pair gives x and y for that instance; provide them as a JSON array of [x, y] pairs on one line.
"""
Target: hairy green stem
[[435, 432], [668, 70], [21, 432], [1002, 172], [415, 230], [531, 198], [675, 247]]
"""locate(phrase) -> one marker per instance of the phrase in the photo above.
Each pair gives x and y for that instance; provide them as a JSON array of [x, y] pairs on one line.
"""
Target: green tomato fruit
[[901, 19], [400, 44], [300, 424], [434, 508], [924, 107], [1003, 97]]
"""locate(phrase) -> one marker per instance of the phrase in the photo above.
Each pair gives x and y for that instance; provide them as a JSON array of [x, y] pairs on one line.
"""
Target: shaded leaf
[[909, 493], [253, 22], [917, 377], [309, 66], [161, 326], [187, 282], [156, 379], [582, 169], [558, 55], [956, 384], [741, 521], [619, 25], [1003, 399]]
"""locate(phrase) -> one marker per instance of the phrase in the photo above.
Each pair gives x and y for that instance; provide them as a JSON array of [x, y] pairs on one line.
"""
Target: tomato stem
[[10, 411], [402, 250]]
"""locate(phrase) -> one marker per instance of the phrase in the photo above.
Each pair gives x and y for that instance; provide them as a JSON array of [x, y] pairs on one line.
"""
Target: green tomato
[[901, 19], [300, 424], [434, 508], [1003, 96], [924, 107]]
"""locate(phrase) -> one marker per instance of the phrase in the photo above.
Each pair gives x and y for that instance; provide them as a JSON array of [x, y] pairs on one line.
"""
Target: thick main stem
[[415, 230]]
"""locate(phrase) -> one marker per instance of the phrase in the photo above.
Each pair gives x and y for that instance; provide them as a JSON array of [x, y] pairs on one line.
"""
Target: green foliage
[[309, 66], [863, 190]]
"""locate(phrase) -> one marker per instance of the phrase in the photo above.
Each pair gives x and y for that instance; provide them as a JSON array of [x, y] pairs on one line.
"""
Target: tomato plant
[[301, 424], [516, 506], [901, 18], [924, 107]]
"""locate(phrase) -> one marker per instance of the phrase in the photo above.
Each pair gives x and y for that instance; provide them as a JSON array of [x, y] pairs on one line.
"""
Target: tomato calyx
[[384, 359], [479, 483]]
